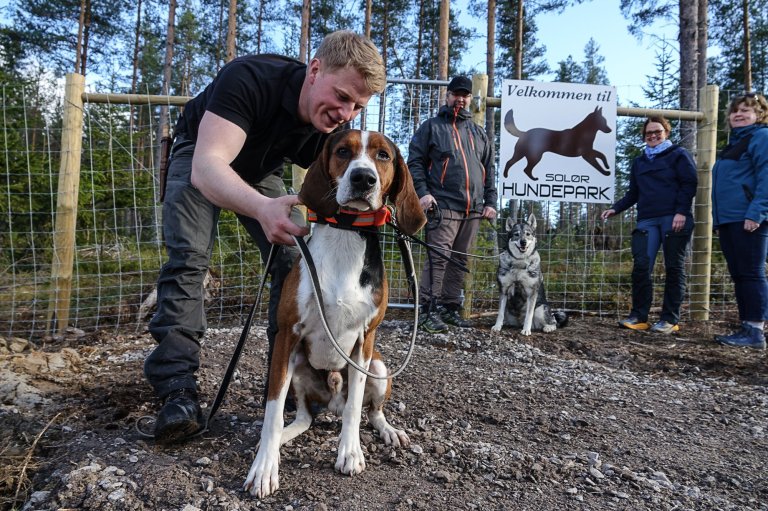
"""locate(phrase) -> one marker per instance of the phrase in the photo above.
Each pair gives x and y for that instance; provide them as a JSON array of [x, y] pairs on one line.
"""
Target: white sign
[[558, 141]]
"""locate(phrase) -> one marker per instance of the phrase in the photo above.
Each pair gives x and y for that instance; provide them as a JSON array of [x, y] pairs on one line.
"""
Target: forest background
[[176, 47]]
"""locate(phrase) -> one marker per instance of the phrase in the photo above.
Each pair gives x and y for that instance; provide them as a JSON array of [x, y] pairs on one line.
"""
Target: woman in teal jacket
[[740, 214]]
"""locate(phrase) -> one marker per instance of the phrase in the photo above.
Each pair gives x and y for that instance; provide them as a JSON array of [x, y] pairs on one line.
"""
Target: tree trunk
[[135, 62], [688, 68], [442, 40], [259, 25], [80, 29], [367, 23], [702, 41], [442, 46], [232, 31], [747, 48], [490, 65], [306, 7], [519, 41], [86, 37], [163, 128]]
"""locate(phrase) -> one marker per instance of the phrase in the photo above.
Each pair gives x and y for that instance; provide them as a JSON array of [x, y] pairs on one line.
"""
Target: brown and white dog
[[356, 171]]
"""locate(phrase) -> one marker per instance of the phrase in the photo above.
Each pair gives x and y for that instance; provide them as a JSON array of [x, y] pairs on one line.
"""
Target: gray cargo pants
[[189, 227], [442, 282]]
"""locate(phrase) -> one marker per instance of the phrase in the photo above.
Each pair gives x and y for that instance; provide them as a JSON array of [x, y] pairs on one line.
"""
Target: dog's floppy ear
[[532, 221], [409, 215], [317, 192]]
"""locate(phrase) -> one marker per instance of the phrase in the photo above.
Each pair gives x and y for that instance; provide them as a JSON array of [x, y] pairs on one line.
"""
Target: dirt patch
[[588, 417]]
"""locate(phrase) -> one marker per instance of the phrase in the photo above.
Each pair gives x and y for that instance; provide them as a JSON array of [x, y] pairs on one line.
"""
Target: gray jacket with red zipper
[[451, 158]]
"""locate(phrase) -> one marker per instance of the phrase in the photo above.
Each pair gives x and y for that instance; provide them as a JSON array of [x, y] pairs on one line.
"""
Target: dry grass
[[15, 462]]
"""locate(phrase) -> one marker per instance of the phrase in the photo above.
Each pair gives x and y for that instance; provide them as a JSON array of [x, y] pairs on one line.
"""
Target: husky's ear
[[510, 223], [532, 221]]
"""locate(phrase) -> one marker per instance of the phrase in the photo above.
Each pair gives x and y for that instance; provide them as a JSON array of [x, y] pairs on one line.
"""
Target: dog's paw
[[496, 328], [526, 331], [263, 477], [395, 437], [350, 459], [549, 328]]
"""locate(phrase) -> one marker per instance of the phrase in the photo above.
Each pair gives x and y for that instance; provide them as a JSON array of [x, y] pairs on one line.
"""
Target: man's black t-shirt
[[260, 94]]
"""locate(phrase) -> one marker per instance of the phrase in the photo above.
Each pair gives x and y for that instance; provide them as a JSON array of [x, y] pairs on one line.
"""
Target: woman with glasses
[[739, 213], [662, 182]]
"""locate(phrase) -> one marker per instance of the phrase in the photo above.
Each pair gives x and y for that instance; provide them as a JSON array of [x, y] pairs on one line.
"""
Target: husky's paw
[[496, 328], [549, 328], [526, 331]]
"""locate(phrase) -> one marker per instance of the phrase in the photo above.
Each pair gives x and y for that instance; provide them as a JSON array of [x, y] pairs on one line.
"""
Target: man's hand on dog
[[275, 218]]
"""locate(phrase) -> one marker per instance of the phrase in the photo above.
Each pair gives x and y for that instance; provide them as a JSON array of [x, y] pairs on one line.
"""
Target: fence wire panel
[[119, 249]]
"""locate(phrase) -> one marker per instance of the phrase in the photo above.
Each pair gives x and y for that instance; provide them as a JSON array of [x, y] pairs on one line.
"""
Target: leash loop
[[318, 294]]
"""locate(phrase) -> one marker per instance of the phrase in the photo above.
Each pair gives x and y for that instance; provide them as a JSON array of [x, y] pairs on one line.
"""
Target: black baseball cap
[[460, 83]]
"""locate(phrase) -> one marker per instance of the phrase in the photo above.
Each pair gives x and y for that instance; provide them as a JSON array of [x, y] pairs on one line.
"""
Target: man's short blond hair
[[344, 48]]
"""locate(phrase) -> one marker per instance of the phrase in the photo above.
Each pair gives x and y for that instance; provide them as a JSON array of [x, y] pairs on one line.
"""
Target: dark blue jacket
[[740, 177], [663, 186]]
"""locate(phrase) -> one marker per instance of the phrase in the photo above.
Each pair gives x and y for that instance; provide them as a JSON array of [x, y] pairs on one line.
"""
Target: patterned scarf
[[651, 152]]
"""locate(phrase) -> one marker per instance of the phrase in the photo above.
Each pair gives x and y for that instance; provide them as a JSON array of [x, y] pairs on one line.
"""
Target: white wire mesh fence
[[118, 238]]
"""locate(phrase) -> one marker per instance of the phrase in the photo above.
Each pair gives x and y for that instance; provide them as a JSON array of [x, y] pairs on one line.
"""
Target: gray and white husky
[[522, 300]]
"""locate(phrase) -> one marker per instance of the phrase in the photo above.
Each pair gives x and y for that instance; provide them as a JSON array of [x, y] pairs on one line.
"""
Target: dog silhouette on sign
[[576, 141]]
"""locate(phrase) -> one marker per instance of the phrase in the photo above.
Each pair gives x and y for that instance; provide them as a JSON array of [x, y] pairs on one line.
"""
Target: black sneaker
[[453, 317], [431, 323], [179, 418]]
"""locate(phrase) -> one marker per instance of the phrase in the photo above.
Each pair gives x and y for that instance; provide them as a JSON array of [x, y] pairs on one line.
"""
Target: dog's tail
[[561, 318], [509, 124]]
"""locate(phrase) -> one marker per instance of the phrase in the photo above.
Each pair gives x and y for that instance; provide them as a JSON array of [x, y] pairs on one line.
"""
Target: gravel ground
[[589, 417]]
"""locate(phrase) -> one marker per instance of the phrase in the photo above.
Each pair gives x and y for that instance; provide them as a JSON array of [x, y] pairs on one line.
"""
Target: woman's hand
[[750, 226], [608, 213], [678, 222]]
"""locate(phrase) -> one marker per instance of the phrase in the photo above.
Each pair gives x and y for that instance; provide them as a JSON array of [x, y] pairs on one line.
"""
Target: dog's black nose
[[362, 178]]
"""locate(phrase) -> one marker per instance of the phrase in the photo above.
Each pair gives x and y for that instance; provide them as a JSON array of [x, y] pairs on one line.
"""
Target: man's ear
[[313, 68]]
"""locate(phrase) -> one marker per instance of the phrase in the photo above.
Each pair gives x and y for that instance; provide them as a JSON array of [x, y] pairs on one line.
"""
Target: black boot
[[179, 418]]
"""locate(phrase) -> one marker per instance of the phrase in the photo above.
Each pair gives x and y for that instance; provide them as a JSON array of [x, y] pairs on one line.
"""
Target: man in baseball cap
[[451, 161]]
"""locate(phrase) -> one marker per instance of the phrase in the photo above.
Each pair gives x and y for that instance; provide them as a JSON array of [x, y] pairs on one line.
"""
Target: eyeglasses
[[653, 132]]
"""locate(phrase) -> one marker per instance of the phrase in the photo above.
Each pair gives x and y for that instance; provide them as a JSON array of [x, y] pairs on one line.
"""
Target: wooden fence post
[[66, 205], [479, 92], [701, 264]]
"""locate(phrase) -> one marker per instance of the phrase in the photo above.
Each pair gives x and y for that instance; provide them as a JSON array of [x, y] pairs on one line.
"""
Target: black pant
[[674, 245], [189, 227]]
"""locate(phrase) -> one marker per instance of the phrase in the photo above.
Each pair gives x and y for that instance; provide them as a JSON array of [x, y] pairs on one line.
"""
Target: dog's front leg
[[263, 477], [502, 312], [350, 459], [376, 393], [530, 308]]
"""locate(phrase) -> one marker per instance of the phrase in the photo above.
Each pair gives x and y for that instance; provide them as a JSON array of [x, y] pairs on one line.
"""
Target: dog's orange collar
[[349, 218]]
